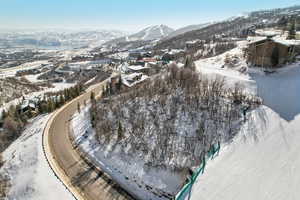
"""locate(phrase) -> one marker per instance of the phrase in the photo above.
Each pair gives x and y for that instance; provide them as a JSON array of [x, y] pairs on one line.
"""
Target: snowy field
[[25, 163]]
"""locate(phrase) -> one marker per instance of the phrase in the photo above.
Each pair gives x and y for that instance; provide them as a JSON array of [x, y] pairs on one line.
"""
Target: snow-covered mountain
[[151, 33], [187, 29], [50, 38], [147, 34]]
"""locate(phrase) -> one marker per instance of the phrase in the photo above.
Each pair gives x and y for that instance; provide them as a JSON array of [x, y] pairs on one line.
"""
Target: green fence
[[187, 188]]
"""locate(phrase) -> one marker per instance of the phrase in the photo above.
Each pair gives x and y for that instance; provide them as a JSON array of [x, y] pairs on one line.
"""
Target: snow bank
[[26, 165], [262, 165]]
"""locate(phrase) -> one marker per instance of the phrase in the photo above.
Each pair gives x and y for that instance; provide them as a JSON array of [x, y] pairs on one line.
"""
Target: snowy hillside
[[264, 167], [233, 27], [49, 38], [150, 33], [263, 161], [26, 165], [187, 29], [155, 133]]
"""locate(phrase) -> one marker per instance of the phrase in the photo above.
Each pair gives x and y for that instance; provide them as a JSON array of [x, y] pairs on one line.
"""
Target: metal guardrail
[[187, 188]]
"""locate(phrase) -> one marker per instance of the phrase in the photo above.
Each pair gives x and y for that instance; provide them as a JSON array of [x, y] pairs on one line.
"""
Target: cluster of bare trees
[[11, 123], [173, 120], [4, 182], [209, 50]]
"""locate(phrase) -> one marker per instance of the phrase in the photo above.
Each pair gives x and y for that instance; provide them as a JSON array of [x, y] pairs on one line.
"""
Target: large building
[[269, 52]]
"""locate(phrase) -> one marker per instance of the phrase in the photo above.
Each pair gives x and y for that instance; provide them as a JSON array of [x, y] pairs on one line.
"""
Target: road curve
[[82, 179]]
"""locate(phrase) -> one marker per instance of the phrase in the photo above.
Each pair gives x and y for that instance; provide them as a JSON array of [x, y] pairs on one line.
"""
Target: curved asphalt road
[[80, 178]]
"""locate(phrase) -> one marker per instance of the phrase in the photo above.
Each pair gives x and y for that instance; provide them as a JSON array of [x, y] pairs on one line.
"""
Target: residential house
[[272, 52], [137, 69], [133, 79], [28, 106]]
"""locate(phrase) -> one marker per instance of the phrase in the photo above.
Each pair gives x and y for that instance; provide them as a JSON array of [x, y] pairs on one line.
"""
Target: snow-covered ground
[[279, 90], [262, 163], [264, 166], [10, 72], [33, 78], [130, 175], [25, 163]]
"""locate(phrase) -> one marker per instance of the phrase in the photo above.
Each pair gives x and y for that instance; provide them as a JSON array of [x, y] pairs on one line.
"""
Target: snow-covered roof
[[126, 79], [268, 32], [287, 42], [26, 104], [175, 51], [193, 41], [280, 40], [123, 67], [137, 67], [253, 40], [131, 76]]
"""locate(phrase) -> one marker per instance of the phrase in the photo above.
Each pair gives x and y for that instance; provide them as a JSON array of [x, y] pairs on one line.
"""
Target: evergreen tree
[[50, 105], [4, 114], [78, 107], [107, 90], [292, 31], [42, 107], [120, 132], [61, 99], [56, 102], [92, 97], [66, 95], [104, 91], [119, 84]]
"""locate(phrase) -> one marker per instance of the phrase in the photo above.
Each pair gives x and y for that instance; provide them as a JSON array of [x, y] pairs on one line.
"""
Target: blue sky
[[124, 14]]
